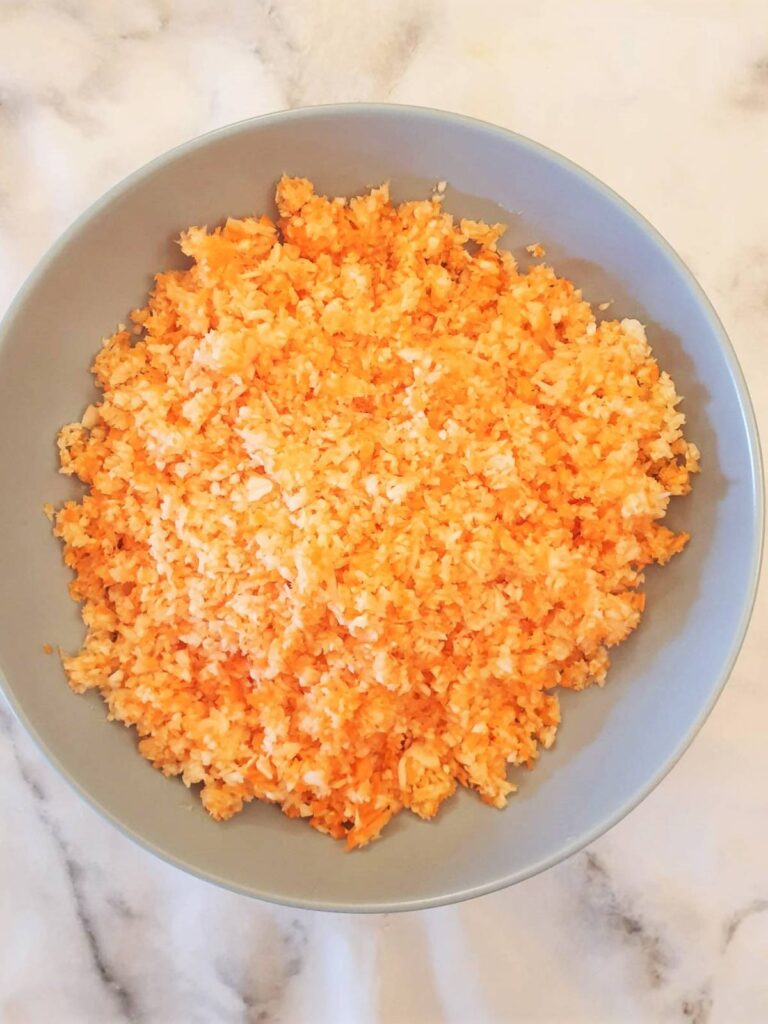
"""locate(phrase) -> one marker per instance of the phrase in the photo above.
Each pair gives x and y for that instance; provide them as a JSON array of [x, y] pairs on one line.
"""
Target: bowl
[[616, 743]]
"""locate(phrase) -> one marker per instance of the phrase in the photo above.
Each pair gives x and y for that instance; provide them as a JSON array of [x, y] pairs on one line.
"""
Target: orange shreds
[[47, 649], [360, 496], [536, 250]]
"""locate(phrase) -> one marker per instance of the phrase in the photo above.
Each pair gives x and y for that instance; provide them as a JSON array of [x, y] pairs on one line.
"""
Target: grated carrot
[[360, 497]]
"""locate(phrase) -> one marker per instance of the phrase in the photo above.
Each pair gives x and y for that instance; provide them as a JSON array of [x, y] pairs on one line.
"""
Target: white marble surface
[[665, 918]]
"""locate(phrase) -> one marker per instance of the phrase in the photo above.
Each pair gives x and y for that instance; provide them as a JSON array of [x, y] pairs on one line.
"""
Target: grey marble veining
[[665, 918]]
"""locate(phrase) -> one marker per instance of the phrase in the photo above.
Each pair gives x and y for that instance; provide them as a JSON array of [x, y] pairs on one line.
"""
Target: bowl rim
[[449, 118]]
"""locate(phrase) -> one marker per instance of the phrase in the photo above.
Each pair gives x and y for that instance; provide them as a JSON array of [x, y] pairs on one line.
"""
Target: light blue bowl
[[615, 744]]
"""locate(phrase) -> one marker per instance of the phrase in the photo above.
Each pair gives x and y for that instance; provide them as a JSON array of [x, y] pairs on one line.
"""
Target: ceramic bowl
[[615, 743]]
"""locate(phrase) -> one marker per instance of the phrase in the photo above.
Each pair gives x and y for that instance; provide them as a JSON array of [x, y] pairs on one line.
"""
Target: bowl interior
[[614, 743]]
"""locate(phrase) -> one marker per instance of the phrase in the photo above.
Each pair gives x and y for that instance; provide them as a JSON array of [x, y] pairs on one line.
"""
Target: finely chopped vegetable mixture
[[361, 493]]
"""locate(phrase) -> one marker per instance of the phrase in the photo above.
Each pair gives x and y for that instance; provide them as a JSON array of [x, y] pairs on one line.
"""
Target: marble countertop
[[666, 917]]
